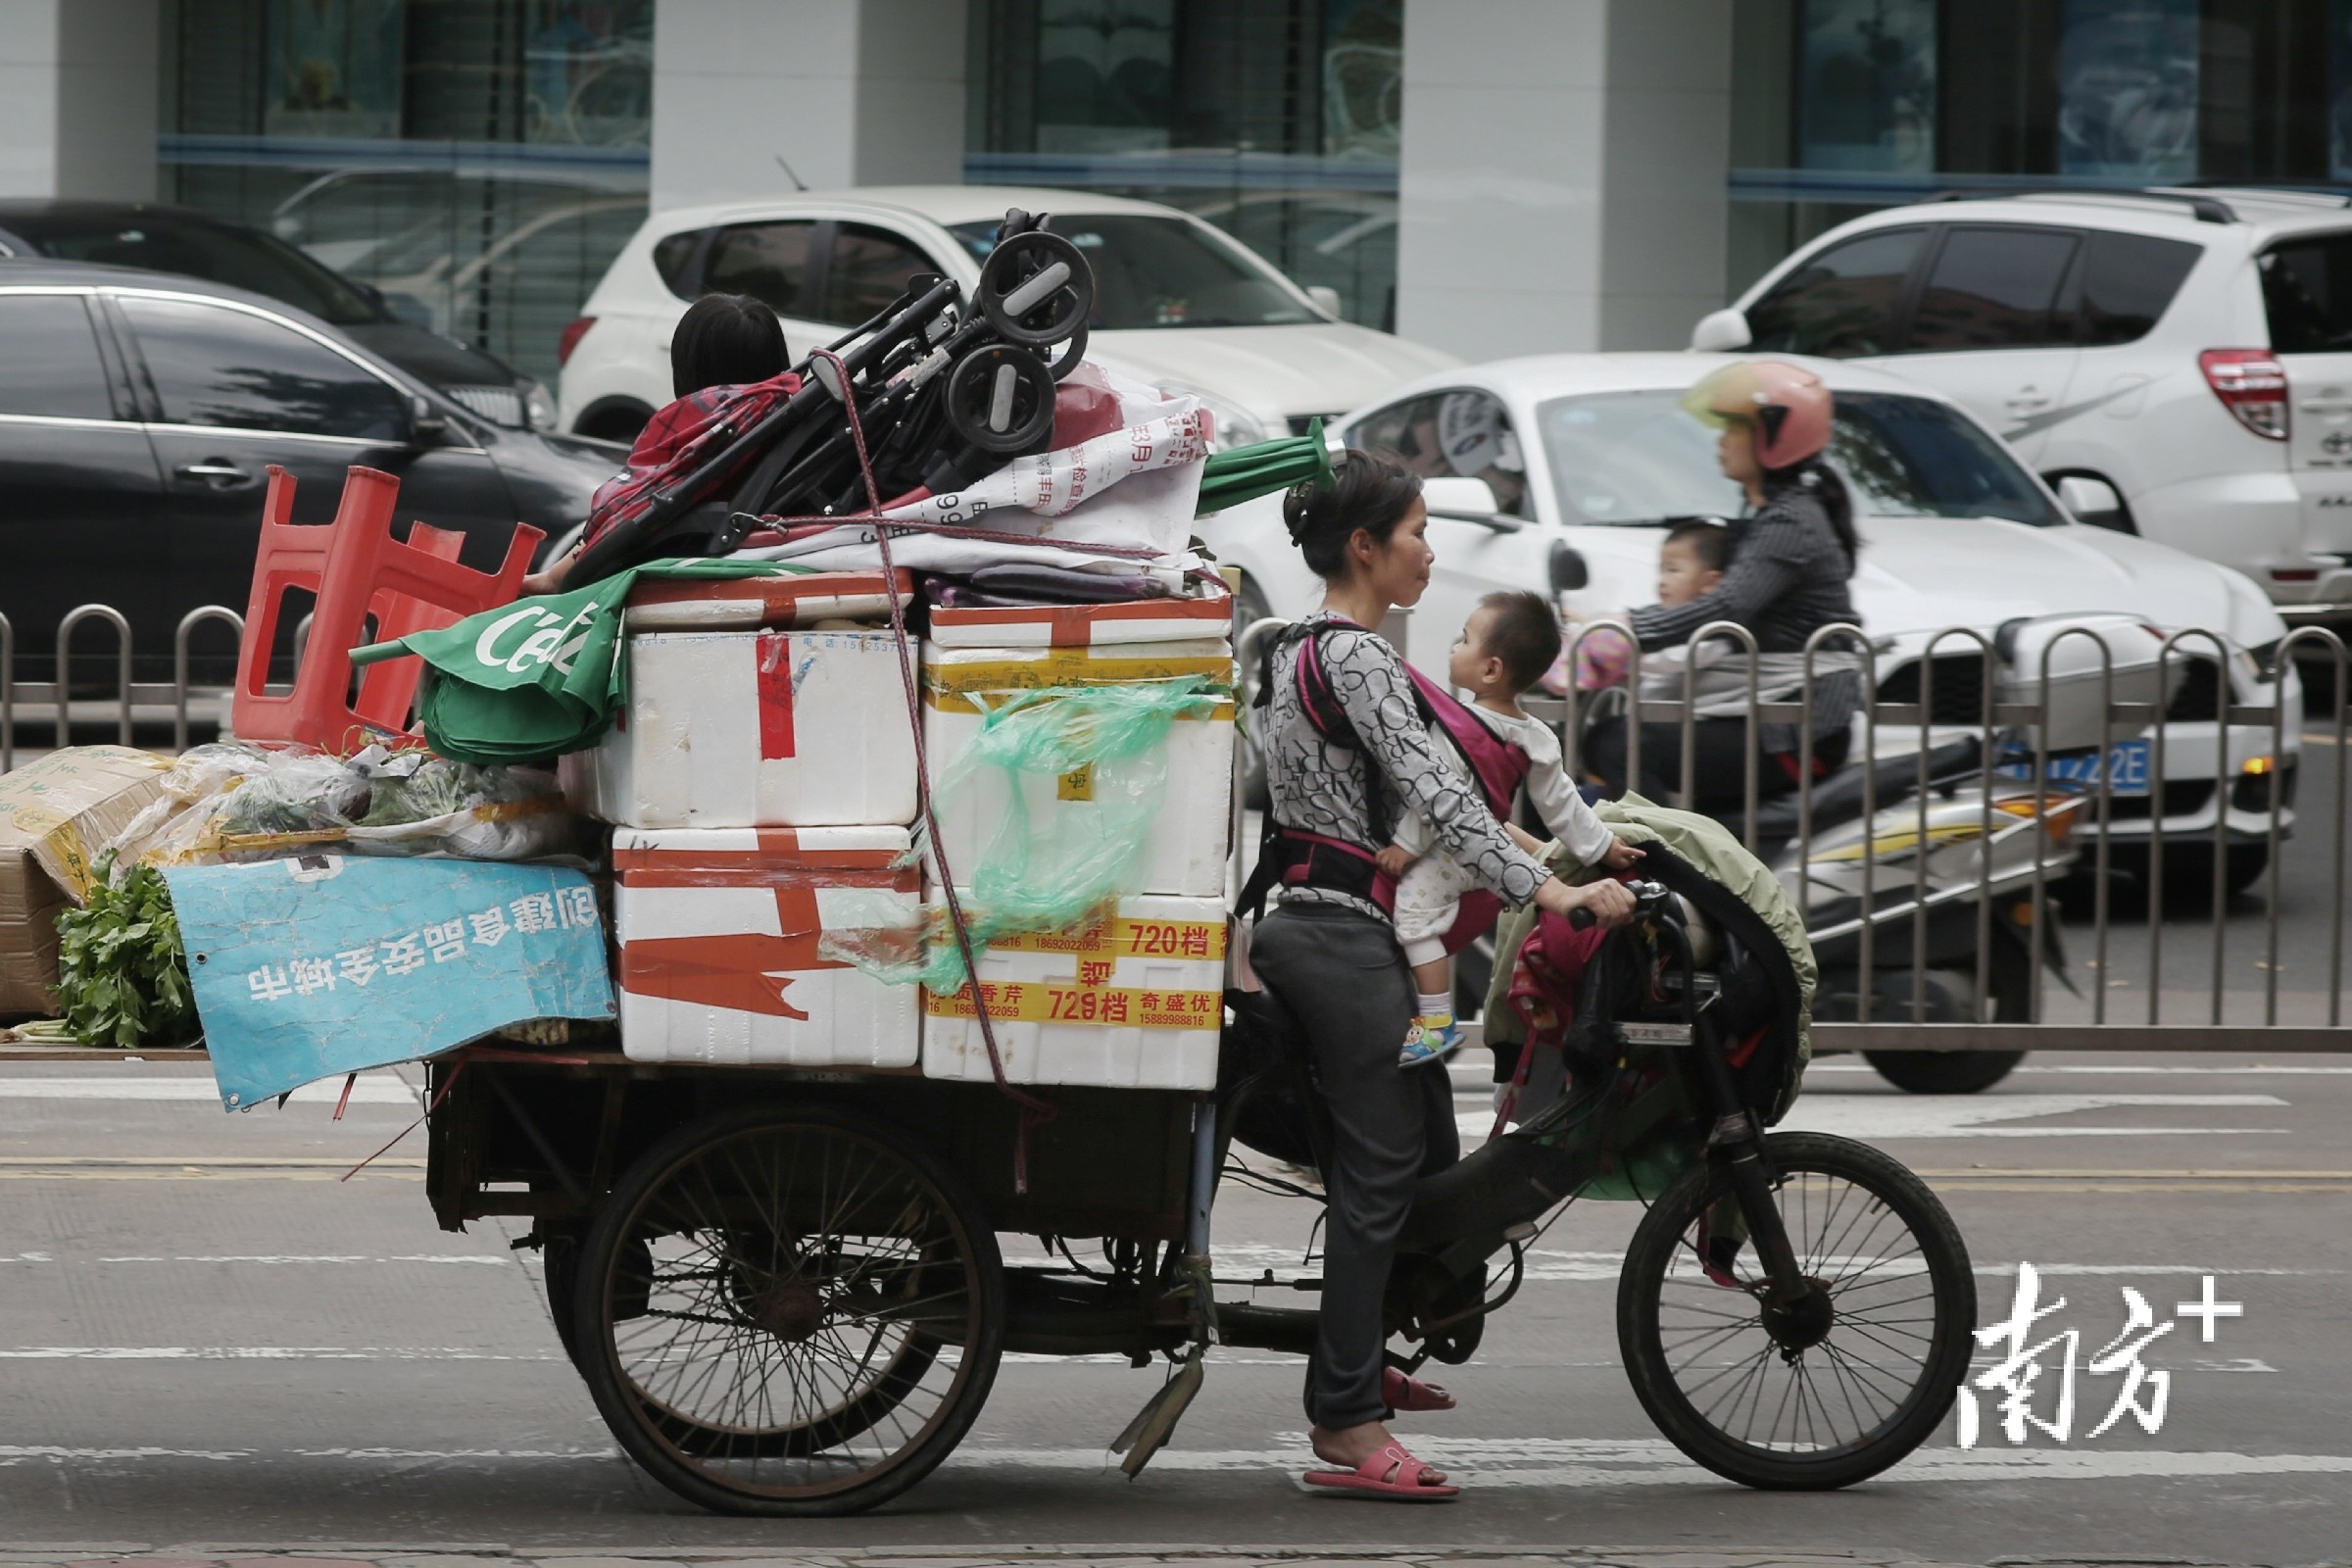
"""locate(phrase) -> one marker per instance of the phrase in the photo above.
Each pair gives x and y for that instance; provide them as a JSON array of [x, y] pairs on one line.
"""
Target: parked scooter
[[1950, 873]]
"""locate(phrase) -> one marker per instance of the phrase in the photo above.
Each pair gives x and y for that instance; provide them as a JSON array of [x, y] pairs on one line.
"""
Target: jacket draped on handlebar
[[1731, 886]]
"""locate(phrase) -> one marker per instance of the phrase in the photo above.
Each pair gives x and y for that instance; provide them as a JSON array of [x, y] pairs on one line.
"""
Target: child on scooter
[[1508, 644], [1690, 562]]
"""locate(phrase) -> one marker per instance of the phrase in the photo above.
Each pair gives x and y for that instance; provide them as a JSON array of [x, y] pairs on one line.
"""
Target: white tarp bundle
[[1124, 474]]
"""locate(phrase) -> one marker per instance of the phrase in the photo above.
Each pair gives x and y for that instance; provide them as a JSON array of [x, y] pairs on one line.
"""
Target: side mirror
[[1469, 500], [1568, 570], [427, 424], [1326, 298], [1720, 332], [2091, 501]]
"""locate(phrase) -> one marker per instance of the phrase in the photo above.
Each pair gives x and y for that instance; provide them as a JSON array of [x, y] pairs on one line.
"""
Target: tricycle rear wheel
[[788, 1311]]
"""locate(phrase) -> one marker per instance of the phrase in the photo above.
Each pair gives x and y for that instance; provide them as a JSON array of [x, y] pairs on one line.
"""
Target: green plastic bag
[[541, 676], [1032, 875]]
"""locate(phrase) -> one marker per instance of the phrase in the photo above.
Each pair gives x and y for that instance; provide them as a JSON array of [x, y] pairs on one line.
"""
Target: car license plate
[[2127, 766]]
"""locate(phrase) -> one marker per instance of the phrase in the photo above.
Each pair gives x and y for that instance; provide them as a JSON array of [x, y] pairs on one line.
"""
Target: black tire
[[560, 1262], [1944, 1072], [1248, 607], [1666, 1307], [2009, 980], [741, 1346]]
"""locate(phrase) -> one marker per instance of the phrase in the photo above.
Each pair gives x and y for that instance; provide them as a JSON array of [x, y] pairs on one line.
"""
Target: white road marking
[[301, 1257], [1871, 1117], [1603, 1462], [1515, 1463], [261, 1352], [371, 1090]]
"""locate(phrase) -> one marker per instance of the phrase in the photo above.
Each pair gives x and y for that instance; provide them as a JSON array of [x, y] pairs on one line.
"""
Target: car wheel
[[613, 420]]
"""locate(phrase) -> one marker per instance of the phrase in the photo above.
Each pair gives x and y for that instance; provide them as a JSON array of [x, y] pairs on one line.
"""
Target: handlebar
[[1648, 898]]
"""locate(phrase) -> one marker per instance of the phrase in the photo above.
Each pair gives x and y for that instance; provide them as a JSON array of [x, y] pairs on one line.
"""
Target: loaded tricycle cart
[[769, 1196], [785, 1289]]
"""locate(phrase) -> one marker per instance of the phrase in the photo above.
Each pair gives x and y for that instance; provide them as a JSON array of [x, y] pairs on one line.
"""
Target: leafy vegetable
[[121, 974]]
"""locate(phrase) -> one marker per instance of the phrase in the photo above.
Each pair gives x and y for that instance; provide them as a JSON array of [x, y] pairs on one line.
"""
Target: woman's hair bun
[[1367, 492]]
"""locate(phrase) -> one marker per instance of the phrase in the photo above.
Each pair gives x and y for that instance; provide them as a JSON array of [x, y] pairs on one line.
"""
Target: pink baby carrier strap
[[1500, 766]]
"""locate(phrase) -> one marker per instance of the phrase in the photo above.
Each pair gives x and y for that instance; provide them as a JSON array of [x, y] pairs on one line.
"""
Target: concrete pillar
[[1561, 179], [77, 98], [849, 92]]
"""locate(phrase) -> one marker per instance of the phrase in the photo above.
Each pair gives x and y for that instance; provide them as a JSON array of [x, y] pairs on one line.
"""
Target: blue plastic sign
[[323, 965]]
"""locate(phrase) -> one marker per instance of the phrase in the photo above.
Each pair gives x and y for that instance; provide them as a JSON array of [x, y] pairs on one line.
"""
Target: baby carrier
[[1293, 857]]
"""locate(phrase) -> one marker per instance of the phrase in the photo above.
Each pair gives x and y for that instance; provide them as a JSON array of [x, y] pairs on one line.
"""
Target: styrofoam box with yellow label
[[1132, 1000], [1140, 621], [1185, 853], [766, 728], [718, 931]]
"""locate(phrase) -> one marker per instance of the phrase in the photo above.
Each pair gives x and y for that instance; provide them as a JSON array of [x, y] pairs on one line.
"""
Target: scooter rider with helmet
[[1791, 555]]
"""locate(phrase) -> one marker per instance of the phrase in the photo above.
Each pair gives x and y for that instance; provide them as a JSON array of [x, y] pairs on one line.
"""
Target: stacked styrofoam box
[[765, 725], [1134, 997], [721, 959], [1185, 853], [1132, 1000], [761, 779]]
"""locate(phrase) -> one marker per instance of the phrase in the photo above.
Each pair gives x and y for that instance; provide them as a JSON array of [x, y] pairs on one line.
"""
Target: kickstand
[[1156, 1422]]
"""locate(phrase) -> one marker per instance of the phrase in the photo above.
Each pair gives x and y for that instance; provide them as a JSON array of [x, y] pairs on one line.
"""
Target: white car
[[1177, 303], [1588, 456], [2190, 350]]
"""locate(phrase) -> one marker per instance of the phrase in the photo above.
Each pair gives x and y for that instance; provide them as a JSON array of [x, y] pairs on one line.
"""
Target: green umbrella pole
[[1244, 473]]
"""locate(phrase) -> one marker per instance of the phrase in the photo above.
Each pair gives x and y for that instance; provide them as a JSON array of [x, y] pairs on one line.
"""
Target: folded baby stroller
[[944, 391]]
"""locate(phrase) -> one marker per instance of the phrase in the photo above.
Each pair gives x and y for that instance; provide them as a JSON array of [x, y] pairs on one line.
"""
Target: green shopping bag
[[541, 676]]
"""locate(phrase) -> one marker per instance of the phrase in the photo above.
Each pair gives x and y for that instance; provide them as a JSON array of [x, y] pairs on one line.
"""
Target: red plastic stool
[[358, 570]]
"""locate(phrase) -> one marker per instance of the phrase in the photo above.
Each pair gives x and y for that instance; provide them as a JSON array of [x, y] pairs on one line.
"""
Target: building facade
[[1491, 176]]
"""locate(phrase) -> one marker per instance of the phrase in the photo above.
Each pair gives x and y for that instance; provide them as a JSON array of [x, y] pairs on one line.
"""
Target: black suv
[[194, 244], [139, 415]]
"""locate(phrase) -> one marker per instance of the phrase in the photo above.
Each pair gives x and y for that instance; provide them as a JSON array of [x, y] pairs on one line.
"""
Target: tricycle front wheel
[[788, 1311], [1823, 1390]]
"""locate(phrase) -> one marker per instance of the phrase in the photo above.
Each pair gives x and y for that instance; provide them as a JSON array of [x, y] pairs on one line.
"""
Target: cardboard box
[[1144, 621], [54, 815], [719, 933], [1184, 853], [1134, 1000], [798, 599], [754, 730]]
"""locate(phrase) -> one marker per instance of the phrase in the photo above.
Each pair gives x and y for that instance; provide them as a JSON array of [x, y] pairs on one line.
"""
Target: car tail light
[[2252, 384], [577, 329], [2294, 575]]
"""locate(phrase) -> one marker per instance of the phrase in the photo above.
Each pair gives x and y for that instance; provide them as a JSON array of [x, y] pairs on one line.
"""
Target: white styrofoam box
[[1185, 849], [1142, 620], [1132, 1000], [718, 930], [754, 730], [788, 599]]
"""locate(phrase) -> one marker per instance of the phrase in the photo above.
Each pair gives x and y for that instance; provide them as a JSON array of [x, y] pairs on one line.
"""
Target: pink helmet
[[1786, 405]]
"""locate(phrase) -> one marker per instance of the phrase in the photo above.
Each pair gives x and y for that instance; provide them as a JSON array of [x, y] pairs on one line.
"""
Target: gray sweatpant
[[1343, 978]]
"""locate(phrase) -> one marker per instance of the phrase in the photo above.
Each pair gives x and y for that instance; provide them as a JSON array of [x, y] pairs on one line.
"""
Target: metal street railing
[[129, 695]]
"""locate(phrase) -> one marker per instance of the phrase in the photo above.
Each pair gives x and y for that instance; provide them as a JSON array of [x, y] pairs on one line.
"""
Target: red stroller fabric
[[678, 437]]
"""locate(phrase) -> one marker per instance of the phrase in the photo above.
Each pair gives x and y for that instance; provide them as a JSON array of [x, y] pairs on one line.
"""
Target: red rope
[[1035, 1112]]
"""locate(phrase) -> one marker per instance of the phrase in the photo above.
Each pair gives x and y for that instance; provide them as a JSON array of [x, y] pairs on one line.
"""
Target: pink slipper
[[1391, 1473], [1401, 1393]]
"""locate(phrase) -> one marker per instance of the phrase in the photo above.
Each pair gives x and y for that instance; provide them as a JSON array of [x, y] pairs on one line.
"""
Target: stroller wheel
[[1071, 355], [1001, 399], [1035, 289]]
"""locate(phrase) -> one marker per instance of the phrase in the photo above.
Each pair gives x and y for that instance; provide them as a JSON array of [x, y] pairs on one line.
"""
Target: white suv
[[1177, 302], [2182, 357]]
